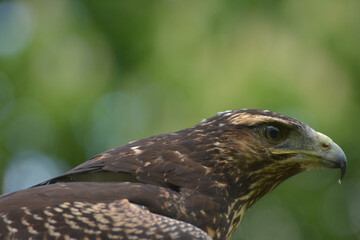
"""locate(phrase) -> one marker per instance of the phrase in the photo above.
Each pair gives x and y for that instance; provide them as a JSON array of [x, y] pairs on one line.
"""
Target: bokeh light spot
[[118, 117], [29, 168], [15, 27]]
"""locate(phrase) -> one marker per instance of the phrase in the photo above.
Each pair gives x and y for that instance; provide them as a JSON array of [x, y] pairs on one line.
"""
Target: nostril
[[325, 146]]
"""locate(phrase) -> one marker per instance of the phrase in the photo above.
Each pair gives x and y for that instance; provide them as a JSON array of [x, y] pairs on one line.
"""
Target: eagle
[[197, 183]]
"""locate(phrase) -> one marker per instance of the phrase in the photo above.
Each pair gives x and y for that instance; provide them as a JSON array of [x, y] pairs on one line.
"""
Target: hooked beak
[[331, 155], [323, 152]]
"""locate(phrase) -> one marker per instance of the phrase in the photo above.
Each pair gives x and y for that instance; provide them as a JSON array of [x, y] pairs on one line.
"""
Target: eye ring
[[273, 134]]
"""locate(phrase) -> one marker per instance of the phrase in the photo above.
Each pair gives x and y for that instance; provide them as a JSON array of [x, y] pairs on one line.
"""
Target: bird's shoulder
[[125, 210], [161, 160]]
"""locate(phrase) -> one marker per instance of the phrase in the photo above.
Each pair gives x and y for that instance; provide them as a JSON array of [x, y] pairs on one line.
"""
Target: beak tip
[[333, 156], [343, 169], [342, 163]]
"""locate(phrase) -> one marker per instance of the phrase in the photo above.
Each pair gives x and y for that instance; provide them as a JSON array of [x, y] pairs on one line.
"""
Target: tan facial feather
[[251, 119]]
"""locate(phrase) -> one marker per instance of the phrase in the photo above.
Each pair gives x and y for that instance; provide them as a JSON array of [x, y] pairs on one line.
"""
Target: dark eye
[[273, 134]]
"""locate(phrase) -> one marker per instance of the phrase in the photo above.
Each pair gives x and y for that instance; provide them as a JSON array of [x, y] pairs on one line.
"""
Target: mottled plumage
[[198, 180], [69, 211]]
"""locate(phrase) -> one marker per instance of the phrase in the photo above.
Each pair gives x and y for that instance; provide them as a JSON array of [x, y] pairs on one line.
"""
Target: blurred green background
[[80, 77]]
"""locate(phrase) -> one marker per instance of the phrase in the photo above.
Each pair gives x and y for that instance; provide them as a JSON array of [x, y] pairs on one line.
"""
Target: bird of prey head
[[208, 175]]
